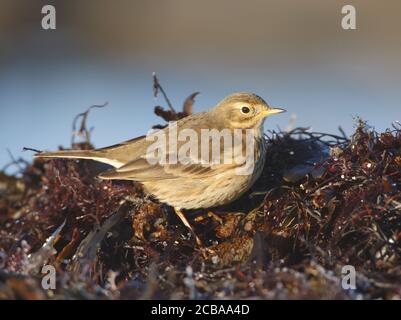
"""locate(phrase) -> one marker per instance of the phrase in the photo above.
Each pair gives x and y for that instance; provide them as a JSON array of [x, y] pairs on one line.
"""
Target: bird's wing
[[148, 167], [141, 170], [126, 151], [134, 149]]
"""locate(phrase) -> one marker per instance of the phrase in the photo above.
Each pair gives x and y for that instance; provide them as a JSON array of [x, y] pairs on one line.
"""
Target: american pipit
[[184, 179]]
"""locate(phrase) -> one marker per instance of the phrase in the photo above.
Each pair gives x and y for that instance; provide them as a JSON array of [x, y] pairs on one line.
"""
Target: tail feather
[[80, 154]]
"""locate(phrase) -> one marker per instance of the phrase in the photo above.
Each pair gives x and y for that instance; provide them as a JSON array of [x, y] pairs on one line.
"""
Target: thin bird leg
[[186, 223]]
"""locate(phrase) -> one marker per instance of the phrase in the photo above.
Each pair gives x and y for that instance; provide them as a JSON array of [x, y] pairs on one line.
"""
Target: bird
[[197, 182]]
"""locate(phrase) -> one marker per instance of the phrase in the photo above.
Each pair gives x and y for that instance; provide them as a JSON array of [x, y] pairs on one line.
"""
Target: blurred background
[[293, 53]]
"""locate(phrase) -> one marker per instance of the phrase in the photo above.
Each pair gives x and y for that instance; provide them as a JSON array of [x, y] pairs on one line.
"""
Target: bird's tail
[[68, 154], [79, 154]]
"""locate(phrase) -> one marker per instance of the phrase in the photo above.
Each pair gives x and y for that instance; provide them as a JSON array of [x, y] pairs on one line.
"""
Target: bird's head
[[244, 110]]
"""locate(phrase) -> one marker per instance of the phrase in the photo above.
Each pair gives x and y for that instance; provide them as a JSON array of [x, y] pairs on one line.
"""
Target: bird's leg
[[186, 223], [206, 252]]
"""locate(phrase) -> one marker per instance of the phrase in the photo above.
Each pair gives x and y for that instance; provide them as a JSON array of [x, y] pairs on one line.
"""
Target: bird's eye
[[245, 109]]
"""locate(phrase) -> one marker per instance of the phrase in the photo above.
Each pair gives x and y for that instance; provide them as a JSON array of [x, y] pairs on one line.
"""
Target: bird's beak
[[271, 111]]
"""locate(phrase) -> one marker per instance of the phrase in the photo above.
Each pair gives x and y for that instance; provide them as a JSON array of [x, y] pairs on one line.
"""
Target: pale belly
[[207, 192], [202, 193]]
